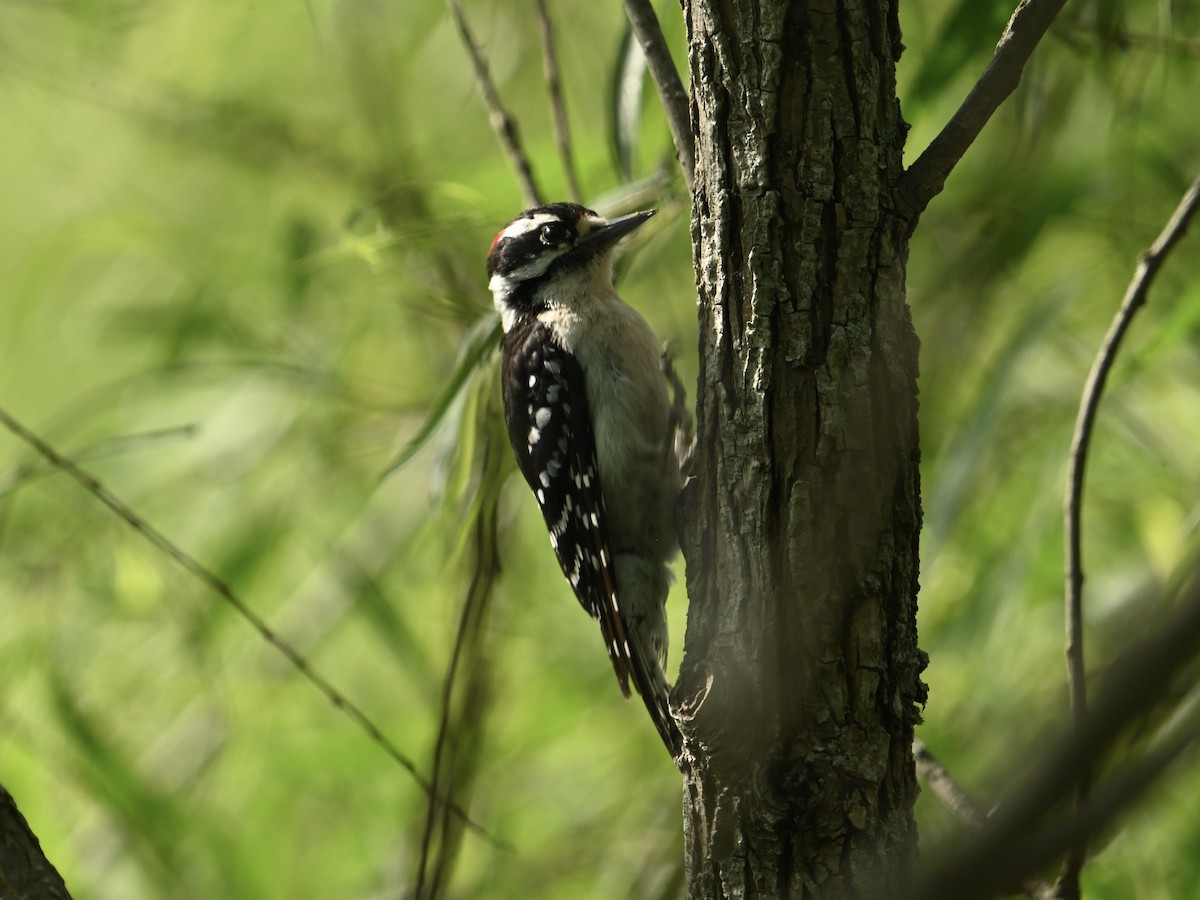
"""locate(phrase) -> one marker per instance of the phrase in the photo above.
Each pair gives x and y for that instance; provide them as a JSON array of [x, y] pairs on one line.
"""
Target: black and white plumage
[[589, 419]]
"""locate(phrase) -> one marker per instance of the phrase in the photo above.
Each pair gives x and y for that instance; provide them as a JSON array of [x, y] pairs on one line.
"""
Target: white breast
[[630, 408]]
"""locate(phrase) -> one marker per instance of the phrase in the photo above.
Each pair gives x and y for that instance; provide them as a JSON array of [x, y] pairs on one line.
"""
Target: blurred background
[[242, 259]]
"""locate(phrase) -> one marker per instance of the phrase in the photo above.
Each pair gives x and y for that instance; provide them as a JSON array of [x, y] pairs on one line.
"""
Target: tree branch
[[562, 132], [1029, 851], [1012, 844], [944, 786], [502, 122], [1117, 38], [1135, 297], [926, 177], [206, 577], [671, 91], [956, 799]]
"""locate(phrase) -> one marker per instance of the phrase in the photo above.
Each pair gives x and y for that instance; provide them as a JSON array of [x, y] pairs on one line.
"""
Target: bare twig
[[944, 786], [926, 177], [562, 131], [1120, 39], [206, 577], [671, 92], [956, 799], [502, 122], [103, 449], [1097, 812], [479, 592], [1135, 297], [1012, 843], [1030, 850]]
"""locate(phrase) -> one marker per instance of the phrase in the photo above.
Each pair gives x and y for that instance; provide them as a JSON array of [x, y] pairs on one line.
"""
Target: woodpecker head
[[553, 250]]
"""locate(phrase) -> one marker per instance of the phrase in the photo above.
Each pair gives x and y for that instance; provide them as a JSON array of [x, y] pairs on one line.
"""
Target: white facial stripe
[[534, 268], [500, 286], [588, 224], [503, 285], [524, 226]]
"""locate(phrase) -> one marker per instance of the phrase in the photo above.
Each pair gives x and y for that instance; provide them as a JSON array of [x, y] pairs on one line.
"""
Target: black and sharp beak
[[609, 233]]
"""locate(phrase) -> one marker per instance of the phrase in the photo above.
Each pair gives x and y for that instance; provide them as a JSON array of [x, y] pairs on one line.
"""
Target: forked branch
[[926, 177]]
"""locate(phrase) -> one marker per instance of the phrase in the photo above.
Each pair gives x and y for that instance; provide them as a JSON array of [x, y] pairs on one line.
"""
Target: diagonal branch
[[206, 577], [926, 177], [1135, 298], [963, 806], [946, 788], [1013, 842], [502, 122], [1111, 37], [671, 91], [562, 132]]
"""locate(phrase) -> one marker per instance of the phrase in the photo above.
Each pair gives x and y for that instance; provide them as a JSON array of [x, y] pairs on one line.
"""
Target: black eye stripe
[[548, 230]]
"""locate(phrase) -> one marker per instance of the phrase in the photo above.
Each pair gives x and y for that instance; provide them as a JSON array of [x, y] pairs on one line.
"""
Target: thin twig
[[671, 92], [926, 177], [502, 122], [944, 786], [1119, 39], [963, 806], [1136, 682], [1135, 297], [1033, 848], [468, 751], [206, 577], [483, 579], [562, 131], [1097, 812], [102, 449]]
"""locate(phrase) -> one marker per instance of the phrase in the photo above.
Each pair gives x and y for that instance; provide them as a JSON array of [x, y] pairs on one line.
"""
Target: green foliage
[[1015, 274], [241, 260]]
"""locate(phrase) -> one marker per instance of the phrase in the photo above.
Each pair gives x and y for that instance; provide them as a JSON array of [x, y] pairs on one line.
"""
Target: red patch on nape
[[495, 241]]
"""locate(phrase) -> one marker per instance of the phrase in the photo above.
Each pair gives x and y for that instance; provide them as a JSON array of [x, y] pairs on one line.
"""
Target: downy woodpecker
[[589, 418]]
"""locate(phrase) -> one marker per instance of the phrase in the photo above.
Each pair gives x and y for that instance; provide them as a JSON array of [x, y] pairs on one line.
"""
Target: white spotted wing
[[545, 403]]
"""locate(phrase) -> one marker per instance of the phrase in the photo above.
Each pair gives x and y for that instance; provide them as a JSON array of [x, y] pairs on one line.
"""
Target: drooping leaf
[[625, 102], [481, 338]]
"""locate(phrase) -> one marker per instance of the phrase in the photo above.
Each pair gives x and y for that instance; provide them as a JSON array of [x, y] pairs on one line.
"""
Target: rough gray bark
[[25, 873], [800, 682]]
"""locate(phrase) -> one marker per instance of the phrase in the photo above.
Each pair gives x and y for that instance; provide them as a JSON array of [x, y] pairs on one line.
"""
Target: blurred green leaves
[[242, 275], [1015, 274]]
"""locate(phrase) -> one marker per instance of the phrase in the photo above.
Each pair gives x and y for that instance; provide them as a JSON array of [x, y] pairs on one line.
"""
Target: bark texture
[[800, 683], [25, 873]]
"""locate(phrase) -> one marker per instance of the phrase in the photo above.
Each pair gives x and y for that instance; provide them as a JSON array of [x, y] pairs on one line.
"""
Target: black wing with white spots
[[545, 403]]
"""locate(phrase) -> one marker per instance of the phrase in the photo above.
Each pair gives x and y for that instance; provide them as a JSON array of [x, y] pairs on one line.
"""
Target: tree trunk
[[801, 676], [25, 873]]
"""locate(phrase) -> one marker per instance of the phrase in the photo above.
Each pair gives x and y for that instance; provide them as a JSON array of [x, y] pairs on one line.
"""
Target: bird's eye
[[554, 233]]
